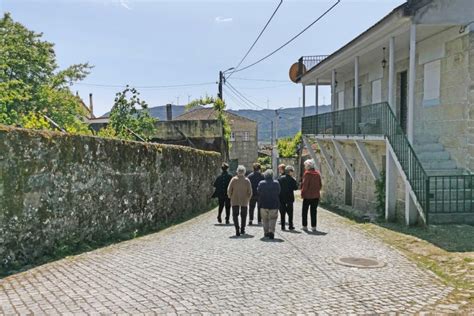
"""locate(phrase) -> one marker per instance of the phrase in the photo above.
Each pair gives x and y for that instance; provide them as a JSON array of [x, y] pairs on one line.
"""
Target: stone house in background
[[243, 140], [402, 103]]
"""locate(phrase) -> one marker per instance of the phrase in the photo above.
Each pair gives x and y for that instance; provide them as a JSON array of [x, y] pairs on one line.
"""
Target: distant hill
[[289, 124]]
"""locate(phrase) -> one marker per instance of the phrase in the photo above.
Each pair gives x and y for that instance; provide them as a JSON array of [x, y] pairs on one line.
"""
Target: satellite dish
[[295, 71]]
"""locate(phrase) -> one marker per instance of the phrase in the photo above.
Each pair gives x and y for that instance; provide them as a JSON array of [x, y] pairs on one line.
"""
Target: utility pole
[[272, 132], [177, 100], [221, 79], [268, 103], [275, 146]]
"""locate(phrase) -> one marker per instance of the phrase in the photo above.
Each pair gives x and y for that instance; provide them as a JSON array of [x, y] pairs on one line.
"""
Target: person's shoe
[[250, 223], [242, 231], [283, 228], [291, 228], [313, 229], [305, 228], [265, 235], [237, 233], [227, 222], [219, 220], [260, 223], [271, 235]]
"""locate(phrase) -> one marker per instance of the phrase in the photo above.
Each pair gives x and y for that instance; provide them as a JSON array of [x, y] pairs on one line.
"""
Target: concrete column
[[390, 186], [391, 74], [316, 96], [333, 90], [411, 213], [411, 83], [356, 82], [304, 100]]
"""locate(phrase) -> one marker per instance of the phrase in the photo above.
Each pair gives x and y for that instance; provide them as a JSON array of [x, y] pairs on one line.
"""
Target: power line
[[265, 87], [146, 87], [264, 80], [243, 96], [290, 40], [235, 95], [256, 40]]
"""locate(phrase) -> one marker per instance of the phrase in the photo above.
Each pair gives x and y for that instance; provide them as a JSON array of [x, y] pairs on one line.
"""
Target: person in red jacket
[[310, 192]]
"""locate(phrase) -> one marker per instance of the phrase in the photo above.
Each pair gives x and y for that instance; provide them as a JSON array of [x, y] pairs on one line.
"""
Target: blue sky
[[156, 43]]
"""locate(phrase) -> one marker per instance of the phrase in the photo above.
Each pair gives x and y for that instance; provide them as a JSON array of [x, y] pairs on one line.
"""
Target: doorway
[[404, 100]]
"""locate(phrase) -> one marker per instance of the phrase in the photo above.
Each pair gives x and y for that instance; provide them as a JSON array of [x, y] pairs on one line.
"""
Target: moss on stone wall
[[59, 190]]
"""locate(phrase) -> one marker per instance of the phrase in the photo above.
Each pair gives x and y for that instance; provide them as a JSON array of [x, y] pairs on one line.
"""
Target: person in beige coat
[[239, 192]]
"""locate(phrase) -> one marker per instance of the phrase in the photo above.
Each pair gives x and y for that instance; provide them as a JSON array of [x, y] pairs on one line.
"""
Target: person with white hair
[[268, 199], [287, 197], [239, 192], [310, 192]]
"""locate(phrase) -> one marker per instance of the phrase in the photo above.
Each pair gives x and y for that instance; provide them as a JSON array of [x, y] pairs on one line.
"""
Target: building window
[[377, 91], [340, 100], [246, 136], [431, 83], [232, 136]]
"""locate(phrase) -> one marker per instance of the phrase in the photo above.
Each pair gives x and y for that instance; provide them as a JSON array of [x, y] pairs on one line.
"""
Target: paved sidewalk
[[198, 267]]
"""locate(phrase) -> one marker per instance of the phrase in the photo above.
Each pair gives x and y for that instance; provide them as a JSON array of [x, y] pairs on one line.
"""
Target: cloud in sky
[[125, 4], [221, 19]]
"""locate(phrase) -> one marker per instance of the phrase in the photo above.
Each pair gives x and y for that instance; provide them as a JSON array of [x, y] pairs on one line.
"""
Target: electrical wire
[[256, 40], [264, 80], [266, 87], [233, 96], [146, 87], [243, 96], [290, 40]]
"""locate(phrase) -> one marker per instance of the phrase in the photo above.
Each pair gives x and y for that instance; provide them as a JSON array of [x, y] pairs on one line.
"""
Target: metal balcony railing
[[435, 194], [305, 63]]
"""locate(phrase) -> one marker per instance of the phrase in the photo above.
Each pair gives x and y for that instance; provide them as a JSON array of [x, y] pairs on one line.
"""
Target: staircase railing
[[375, 119]]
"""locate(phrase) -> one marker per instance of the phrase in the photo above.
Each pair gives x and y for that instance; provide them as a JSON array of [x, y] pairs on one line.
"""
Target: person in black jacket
[[288, 185], [255, 177], [221, 184]]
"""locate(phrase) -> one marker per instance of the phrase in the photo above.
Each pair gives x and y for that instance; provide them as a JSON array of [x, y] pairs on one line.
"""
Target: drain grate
[[357, 262]]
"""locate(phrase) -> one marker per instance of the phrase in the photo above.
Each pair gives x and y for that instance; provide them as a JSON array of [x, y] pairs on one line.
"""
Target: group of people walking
[[243, 195]]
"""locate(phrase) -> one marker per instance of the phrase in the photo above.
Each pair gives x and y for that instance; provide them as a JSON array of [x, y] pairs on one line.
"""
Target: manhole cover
[[359, 262]]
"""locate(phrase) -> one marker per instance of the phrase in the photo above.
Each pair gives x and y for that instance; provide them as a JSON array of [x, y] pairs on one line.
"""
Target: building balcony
[[305, 63]]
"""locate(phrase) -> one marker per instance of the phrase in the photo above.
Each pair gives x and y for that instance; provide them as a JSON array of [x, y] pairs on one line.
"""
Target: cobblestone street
[[198, 267]]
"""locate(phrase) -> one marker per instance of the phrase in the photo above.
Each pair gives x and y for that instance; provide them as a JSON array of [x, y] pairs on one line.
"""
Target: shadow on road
[[244, 236], [316, 233], [290, 231], [266, 239], [224, 225]]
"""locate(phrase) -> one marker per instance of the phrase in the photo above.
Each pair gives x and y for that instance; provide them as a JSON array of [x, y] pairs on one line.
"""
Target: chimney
[[169, 113], [91, 105]]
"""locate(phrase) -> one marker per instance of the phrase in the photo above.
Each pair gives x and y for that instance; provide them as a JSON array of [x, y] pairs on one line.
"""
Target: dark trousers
[[253, 203], [286, 209], [243, 217], [312, 204], [224, 202]]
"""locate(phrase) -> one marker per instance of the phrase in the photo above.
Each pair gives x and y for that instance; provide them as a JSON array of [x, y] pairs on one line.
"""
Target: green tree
[[31, 85], [288, 147], [129, 117], [219, 106]]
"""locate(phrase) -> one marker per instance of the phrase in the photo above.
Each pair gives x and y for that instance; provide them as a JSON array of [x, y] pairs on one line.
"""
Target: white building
[[403, 102]]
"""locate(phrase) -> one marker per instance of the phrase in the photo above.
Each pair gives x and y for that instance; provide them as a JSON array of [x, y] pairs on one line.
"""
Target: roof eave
[[400, 12]]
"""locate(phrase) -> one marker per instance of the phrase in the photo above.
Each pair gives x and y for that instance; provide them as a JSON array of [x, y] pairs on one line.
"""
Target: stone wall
[[59, 190], [200, 134], [363, 197], [245, 150]]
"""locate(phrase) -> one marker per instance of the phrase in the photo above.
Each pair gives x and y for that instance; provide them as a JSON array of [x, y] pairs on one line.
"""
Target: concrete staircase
[[452, 197]]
